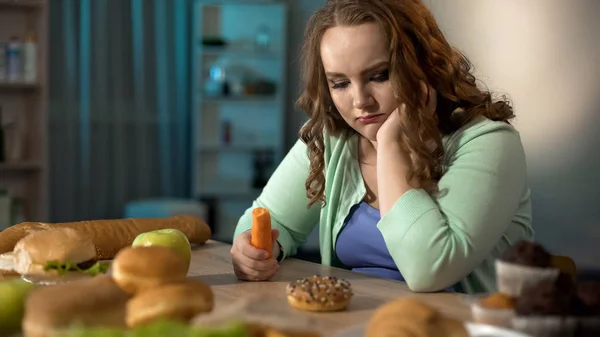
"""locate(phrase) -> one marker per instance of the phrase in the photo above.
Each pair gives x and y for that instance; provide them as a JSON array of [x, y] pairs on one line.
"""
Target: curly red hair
[[419, 53]]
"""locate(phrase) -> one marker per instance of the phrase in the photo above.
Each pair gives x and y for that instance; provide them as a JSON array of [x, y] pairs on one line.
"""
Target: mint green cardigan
[[447, 240]]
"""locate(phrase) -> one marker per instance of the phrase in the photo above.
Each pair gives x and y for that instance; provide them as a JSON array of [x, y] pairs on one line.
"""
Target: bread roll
[[33, 252], [409, 317], [91, 302], [136, 269], [110, 236], [176, 301]]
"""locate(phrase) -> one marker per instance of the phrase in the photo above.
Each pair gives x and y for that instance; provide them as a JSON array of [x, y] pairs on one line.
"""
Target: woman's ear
[[429, 96]]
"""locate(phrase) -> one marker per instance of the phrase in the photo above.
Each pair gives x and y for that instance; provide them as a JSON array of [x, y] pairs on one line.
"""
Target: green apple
[[171, 238], [13, 294]]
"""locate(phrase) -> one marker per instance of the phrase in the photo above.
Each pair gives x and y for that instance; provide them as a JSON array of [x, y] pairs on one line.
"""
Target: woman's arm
[[392, 165], [285, 198], [437, 242]]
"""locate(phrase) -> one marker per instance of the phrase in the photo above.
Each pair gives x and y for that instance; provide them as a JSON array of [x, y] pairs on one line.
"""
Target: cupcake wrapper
[[588, 327], [545, 326], [514, 279], [497, 317]]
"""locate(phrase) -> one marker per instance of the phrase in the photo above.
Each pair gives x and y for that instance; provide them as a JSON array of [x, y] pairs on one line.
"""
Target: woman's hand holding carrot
[[254, 252]]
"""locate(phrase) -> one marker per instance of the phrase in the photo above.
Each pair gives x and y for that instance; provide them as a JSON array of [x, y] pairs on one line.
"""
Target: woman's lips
[[369, 119]]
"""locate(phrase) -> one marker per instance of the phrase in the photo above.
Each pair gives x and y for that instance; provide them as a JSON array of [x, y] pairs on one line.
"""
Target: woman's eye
[[381, 77], [339, 85]]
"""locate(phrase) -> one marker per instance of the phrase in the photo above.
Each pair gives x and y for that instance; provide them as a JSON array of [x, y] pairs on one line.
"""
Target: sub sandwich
[[57, 254]]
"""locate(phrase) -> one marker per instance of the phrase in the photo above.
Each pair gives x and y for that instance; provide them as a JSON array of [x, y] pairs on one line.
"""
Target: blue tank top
[[360, 245]]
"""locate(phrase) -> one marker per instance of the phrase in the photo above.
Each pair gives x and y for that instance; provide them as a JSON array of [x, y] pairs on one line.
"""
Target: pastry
[[319, 293], [588, 293], [548, 309], [495, 309], [97, 301], [176, 301], [498, 301], [522, 266], [136, 269], [409, 317]]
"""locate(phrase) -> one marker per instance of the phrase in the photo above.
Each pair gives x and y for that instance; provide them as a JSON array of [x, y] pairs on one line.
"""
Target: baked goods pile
[[538, 297], [138, 293], [56, 275], [411, 317]]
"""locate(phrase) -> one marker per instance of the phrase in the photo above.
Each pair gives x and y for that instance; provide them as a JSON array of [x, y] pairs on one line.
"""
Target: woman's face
[[356, 65]]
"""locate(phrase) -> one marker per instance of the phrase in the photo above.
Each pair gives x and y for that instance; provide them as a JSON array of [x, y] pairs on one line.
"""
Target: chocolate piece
[[527, 253], [549, 298]]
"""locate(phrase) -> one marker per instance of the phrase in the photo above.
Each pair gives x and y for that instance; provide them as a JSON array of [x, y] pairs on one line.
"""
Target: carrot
[[261, 230]]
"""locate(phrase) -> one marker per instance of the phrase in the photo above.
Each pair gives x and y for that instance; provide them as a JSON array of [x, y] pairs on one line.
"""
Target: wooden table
[[211, 263]]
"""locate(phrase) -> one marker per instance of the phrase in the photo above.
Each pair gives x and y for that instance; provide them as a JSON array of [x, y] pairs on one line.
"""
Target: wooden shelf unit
[[25, 104], [233, 127]]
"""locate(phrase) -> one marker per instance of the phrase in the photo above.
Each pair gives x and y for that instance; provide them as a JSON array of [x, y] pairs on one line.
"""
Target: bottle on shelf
[[30, 59], [14, 57], [1, 137], [5, 209], [262, 41], [3, 61], [263, 162], [13, 142], [227, 130]]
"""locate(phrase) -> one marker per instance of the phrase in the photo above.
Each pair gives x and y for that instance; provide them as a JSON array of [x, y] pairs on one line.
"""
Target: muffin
[[523, 266], [589, 295], [496, 309], [588, 309], [548, 309]]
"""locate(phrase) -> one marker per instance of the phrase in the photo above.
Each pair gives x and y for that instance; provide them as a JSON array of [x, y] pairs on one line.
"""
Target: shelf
[[216, 147], [239, 99], [20, 166], [225, 193], [21, 3], [239, 52], [238, 2], [18, 85]]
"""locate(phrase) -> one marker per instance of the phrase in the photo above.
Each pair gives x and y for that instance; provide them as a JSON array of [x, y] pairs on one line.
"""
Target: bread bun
[[33, 252], [409, 317], [176, 301], [96, 301], [319, 293], [136, 269]]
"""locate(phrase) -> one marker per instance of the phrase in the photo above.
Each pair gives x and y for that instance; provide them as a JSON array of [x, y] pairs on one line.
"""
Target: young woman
[[409, 169]]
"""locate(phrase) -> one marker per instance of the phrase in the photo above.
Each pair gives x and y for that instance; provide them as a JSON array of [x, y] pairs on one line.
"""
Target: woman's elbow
[[426, 282]]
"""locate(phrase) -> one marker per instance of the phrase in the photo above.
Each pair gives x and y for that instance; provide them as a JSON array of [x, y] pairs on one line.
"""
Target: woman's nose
[[362, 98]]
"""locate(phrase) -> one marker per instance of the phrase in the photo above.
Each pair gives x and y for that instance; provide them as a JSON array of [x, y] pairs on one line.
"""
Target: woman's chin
[[369, 131]]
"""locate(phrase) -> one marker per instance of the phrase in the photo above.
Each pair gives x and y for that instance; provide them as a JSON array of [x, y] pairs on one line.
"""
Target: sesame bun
[[96, 301], [177, 301], [410, 317], [136, 269], [33, 252], [319, 293]]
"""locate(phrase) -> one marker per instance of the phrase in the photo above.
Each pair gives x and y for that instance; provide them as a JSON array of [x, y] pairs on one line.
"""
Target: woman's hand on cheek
[[391, 129]]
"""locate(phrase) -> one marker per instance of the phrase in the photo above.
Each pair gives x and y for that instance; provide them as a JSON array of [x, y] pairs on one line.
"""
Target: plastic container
[[14, 60], [30, 60], [3, 61]]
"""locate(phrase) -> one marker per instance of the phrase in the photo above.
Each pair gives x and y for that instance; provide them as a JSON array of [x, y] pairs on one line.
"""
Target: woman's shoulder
[[482, 129], [482, 135]]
